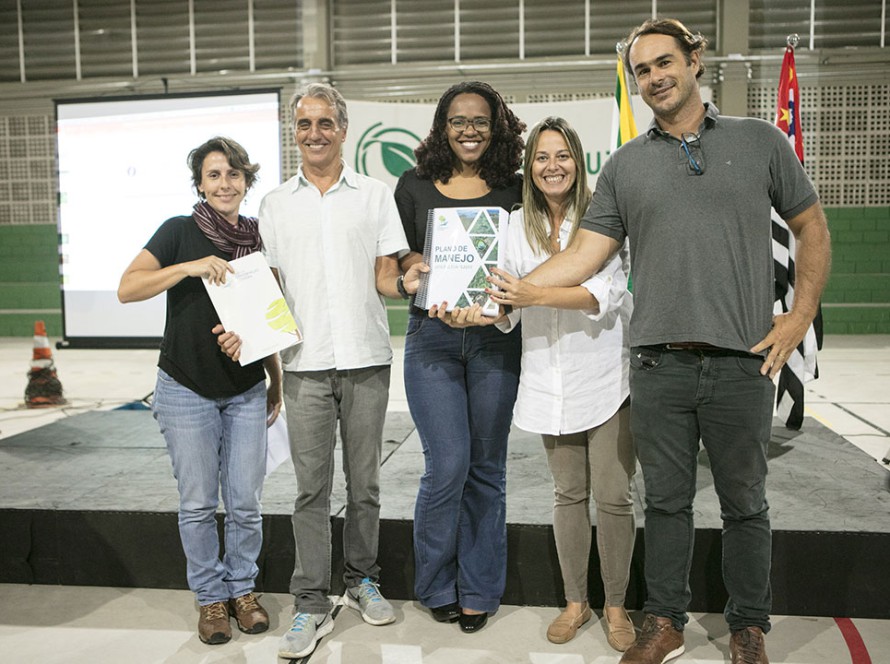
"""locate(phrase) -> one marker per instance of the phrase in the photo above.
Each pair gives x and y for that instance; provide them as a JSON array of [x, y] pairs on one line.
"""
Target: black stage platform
[[90, 500]]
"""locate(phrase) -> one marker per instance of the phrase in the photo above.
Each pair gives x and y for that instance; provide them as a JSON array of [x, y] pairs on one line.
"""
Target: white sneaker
[[367, 599], [305, 632]]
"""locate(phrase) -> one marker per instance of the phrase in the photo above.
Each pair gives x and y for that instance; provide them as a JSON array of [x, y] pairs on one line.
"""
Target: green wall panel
[[860, 275]]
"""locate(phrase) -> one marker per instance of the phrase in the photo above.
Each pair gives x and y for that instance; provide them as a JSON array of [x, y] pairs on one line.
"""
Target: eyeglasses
[[691, 151], [460, 123]]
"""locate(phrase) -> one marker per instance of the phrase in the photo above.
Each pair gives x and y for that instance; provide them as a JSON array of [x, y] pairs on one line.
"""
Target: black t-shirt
[[189, 352], [415, 197]]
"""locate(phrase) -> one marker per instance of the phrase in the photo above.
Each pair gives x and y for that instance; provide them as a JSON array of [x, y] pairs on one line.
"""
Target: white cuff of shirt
[[600, 286]]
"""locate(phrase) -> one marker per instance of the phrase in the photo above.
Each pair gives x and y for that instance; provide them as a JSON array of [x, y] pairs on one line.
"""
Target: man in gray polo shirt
[[693, 196]]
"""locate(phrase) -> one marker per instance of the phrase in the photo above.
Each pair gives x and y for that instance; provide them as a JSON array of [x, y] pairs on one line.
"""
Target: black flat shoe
[[470, 623], [448, 613]]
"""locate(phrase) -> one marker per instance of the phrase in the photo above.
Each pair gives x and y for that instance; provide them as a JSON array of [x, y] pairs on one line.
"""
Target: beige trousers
[[600, 461]]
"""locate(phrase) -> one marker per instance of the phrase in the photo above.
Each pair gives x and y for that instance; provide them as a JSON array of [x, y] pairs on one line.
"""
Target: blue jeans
[[461, 385], [679, 397], [315, 401], [216, 444]]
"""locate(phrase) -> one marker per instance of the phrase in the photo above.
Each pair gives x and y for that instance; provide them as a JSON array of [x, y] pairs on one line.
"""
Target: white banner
[[381, 138]]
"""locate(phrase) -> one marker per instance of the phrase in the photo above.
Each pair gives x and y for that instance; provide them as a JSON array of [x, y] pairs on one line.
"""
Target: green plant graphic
[[279, 318]]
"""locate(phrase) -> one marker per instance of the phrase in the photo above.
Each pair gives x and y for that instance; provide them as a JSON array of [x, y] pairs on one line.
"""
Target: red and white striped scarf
[[237, 240]]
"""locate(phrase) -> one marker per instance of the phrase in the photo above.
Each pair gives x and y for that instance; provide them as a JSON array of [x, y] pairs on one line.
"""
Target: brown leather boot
[[250, 616], [213, 625], [658, 642], [746, 646]]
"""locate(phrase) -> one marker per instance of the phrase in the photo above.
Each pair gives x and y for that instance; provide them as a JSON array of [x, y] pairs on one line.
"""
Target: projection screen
[[123, 172]]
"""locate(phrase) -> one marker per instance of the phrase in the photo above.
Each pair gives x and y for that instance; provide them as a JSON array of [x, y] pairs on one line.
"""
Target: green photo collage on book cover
[[482, 228]]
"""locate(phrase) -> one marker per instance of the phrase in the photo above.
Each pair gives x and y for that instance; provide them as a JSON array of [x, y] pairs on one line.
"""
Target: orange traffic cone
[[44, 388]]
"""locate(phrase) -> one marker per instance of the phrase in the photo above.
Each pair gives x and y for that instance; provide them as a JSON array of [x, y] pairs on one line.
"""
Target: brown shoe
[[746, 646], [250, 616], [566, 626], [213, 625], [658, 642], [620, 634]]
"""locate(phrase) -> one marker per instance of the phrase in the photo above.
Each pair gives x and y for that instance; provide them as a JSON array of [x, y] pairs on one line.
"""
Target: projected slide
[[122, 173]]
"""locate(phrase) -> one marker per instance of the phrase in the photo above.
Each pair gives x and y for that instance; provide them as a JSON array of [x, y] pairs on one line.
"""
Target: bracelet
[[400, 286]]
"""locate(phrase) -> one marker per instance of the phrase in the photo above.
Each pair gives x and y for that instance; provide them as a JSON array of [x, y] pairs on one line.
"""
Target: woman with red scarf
[[213, 412]]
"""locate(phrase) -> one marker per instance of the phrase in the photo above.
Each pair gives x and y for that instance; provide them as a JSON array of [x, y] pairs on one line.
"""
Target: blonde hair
[[535, 212]]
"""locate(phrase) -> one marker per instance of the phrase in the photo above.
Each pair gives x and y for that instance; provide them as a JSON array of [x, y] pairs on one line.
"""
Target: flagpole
[[624, 127], [801, 365]]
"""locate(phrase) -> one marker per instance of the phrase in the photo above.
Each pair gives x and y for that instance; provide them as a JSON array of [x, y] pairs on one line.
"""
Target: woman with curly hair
[[461, 383]]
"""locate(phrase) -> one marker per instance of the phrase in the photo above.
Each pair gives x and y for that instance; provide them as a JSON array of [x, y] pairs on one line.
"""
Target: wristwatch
[[400, 286]]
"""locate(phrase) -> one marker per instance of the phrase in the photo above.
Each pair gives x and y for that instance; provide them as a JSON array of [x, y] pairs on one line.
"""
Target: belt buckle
[[691, 345]]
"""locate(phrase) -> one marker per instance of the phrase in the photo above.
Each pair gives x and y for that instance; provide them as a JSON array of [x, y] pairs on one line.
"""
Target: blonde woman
[[573, 386]]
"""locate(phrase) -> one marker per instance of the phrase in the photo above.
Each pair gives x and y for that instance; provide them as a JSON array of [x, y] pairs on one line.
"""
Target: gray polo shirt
[[701, 245]]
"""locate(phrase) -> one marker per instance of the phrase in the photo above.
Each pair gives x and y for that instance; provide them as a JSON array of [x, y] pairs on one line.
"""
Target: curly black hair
[[500, 162]]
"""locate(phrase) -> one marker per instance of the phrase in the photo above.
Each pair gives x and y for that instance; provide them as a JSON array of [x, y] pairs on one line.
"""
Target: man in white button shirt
[[333, 237]]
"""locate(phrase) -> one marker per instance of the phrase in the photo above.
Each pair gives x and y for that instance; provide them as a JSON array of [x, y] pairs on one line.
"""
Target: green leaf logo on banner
[[397, 158], [389, 147]]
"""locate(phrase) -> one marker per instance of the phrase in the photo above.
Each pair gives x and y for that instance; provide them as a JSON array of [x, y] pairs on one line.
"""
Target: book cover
[[250, 304], [462, 245]]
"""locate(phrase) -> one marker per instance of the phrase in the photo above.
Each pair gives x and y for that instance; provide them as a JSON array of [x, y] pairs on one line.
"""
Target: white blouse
[[574, 363]]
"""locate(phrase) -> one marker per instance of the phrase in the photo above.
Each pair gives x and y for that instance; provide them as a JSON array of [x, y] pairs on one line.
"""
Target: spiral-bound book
[[462, 245]]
